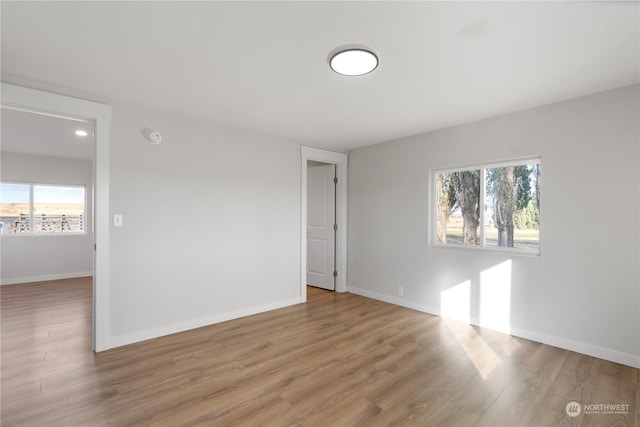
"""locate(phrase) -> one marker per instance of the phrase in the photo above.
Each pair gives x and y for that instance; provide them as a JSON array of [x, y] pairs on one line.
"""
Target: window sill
[[490, 249], [15, 235]]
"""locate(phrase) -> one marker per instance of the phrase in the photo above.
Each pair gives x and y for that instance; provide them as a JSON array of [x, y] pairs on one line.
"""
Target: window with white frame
[[493, 206], [27, 208]]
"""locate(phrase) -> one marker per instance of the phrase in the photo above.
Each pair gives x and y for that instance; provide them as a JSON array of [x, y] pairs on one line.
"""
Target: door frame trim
[[53, 104], [341, 161]]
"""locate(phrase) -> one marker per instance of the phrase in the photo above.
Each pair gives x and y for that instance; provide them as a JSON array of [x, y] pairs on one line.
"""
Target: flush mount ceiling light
[[353, 61], [81, 132]]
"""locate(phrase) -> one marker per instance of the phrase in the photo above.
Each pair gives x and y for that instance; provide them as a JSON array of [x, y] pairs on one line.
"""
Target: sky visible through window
[[55, 194], [19, 193], [27, 208], [14, 193], [508, 216]]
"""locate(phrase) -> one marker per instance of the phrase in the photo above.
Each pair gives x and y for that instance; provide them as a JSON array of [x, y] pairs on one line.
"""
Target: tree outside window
[[495, 206]]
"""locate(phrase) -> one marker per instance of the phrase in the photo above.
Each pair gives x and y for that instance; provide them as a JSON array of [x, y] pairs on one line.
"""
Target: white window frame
[[32, 232], [433, 240]]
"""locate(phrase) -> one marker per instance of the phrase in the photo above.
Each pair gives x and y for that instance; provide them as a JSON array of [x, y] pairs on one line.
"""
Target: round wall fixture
[[355, 61], [153, 136]]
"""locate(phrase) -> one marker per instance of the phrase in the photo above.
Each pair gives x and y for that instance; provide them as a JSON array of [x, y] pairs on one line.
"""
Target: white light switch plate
[[117, 220]]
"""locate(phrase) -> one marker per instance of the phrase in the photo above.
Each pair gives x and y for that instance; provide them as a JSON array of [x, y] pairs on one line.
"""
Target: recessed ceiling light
[[353, 61], [81, 132]]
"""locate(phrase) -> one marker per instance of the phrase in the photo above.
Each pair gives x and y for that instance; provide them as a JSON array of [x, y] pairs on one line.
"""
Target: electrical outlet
[[117, 220], [400, 291]]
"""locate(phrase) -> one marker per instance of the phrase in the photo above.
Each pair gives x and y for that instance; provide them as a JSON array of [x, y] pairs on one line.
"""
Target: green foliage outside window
[[508, 215]]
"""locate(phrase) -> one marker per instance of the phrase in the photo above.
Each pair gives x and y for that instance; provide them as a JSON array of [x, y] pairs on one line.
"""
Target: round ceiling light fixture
[[81, 132], [353, 61]]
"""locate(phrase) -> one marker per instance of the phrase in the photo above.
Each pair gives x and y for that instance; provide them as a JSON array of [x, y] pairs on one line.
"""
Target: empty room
[[320, 213]]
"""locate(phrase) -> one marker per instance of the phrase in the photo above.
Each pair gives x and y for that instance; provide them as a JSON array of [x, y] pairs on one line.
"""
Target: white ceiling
[[31, 133], [264, 65]]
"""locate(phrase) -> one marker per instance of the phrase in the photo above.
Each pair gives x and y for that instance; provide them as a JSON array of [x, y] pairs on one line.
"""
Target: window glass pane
[[458, 207], [512, 206], [14, 208], [58, 209]]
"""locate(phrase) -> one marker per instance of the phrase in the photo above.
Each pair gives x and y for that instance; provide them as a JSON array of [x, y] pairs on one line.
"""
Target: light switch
[[117, 220]]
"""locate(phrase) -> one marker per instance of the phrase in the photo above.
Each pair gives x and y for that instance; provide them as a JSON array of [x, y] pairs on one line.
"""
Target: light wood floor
[[339, 360]]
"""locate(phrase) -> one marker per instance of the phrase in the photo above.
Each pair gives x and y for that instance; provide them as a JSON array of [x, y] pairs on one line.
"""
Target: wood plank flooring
[[339, 360]]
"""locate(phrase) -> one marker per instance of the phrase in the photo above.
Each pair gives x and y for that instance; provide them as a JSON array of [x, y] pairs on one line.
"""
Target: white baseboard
[[579, 347], [560, 342], [134, 337], [44, 278], [394, 300]]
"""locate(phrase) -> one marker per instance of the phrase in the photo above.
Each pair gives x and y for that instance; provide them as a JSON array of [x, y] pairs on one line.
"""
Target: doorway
[[321, 225], [25, 99], [339, 162], [47, 191]]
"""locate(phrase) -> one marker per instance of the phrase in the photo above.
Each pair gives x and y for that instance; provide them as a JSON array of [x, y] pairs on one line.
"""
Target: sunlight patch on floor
[[493, 303], [483, 357]]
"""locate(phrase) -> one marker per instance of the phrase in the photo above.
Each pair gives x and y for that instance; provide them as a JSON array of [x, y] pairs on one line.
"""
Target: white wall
[[582, 293], [29, 258], [211, 224]]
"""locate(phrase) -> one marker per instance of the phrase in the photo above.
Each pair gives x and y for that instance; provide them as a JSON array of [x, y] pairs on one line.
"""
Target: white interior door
[[321, 214]]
